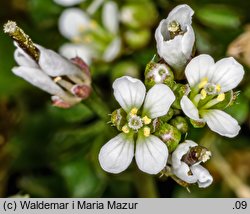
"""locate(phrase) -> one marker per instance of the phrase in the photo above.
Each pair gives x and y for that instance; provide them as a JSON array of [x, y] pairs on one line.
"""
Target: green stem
[[97, 105], [145, 185]]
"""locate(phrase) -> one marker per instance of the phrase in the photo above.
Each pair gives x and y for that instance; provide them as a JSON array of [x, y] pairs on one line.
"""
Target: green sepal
[[119, 118], [143, 14], [230, 98]]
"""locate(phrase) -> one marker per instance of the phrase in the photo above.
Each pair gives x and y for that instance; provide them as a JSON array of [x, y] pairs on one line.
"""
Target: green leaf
[[43, 186], [218, 16], [80, 178]]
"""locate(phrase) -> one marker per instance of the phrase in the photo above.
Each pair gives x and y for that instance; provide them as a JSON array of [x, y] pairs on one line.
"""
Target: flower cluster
[[154, 124], [155, 116], [103, 41]]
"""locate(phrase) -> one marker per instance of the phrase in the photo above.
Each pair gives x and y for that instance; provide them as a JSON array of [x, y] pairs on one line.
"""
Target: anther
[[125, 129]]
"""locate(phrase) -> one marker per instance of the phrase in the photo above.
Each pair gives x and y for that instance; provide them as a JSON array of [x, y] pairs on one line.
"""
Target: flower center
[[210, 88], [174, 29], [135, 122]]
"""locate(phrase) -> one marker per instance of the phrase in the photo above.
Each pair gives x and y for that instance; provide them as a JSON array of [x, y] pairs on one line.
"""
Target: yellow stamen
[[56, 79], [125, 129], [133, 111], [221, 97], [218, 88], [81, 28], [93, 25], [76, 39], [203, 94], [203, 82], [146, 131], [146, 120]]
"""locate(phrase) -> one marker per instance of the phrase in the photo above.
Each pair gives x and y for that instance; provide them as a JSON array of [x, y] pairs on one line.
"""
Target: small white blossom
[[68, 2], [77, 26], [47, 73], [175, 37], [150, 153], [208, 82], [194, 173]]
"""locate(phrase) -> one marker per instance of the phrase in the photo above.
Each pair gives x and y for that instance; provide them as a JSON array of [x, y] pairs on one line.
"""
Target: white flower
[[71, 50], [190, 173], [175, 37], [209, 81], [77, 26], [150, 153], [47, 73], [68, 2]]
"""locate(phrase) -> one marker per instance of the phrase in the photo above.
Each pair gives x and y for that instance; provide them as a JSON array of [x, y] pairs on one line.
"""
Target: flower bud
[[138, 15], [137, 39], [169, 135], [167, 117], [179, 91], [119, 118], [175, 39], [156, 73], [180, 123], [125, 68]]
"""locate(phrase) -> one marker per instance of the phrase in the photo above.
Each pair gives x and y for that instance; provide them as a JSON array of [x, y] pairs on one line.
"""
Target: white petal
[[158, 101], [68, 2], [151, 154], [39, 79], [204, 177], [55, 65], [188, 42], [110, 17], [70, 50], [182, 14], [170, 50], [227, 72], [221, 122], [198, 68], [116, 155], [181, 150], [129, 92], [190, 109], [71, 22], [183, 171], [24, 59], [112, 50]]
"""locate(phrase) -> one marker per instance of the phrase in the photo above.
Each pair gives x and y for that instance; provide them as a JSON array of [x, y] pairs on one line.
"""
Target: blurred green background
[[51, 152]]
